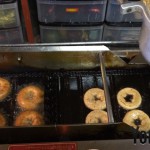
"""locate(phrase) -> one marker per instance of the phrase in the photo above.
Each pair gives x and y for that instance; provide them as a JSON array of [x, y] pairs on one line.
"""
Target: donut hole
[[128, 98], [28, 122], [29, 95], [137, 122], [99, 120], [96, 97], [96, 120]]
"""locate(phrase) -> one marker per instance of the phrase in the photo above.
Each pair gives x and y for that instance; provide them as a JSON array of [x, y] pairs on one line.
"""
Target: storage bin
[[114, 33], [114, 13], [9, 15], [6, 1], [71, 11], [11, 36], [70, 34]]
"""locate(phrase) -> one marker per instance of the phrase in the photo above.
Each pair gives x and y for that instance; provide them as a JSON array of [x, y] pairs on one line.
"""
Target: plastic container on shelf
[[6, 1], [114, 14], [71, 11], [11, 36], [115, 33], [9, 15], [51, 34]]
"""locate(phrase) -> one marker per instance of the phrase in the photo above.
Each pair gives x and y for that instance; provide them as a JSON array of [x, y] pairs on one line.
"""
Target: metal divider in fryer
[[106, 91]]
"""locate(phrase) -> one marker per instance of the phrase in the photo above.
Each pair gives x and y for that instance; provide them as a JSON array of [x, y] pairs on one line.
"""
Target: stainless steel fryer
[[30, 58]]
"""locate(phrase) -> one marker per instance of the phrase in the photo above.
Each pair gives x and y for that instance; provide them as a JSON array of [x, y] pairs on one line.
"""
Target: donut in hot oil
[[29, 118], [95, 99], [138, 120], [129, 98], [97, 116], [30, 97], [5, 88]]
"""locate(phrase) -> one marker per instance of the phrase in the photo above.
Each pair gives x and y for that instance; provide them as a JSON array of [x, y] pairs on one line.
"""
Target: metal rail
[[78, 46], [106, 91]]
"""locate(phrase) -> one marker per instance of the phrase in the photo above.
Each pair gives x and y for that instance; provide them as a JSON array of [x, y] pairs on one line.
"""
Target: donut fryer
[[66, 74]]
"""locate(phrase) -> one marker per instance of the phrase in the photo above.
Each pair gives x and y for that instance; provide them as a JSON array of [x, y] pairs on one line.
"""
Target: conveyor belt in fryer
[[9, 106], [64, 90], [72, 89]]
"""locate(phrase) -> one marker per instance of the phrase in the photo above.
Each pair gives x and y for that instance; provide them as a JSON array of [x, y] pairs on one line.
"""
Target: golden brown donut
[[3, 121], [138, 120], [29, 118], [97, 116], [5, 88], [30, 97], [94, 99], [129, 98]]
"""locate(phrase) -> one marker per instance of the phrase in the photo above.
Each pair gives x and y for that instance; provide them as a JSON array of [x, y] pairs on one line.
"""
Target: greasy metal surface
[[55, 60], [123, 59], [67, 60], [113, 60], [59, 55], [138, 59]]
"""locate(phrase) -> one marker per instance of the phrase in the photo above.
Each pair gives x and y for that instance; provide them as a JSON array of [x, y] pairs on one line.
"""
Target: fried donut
[[94, 99], [5, 88], [29, 118], [97, 116], [3, 121], [138, 120], [30, 97], [129, 98]]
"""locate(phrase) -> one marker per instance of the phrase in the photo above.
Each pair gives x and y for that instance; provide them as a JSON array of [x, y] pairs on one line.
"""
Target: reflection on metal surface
[[123, 58], [50, 60], [138, 60], [68, 60], [83, 48], [50, 47], [112, 60], [60, 55]]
